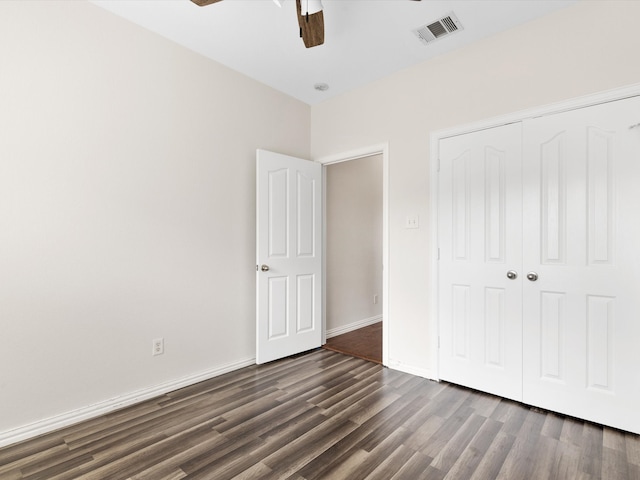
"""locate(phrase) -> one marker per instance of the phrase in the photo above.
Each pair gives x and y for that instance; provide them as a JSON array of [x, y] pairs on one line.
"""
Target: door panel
[[289, 235], [480, 238], [581, 235]]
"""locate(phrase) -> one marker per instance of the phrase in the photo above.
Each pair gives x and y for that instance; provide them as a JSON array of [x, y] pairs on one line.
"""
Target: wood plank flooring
[[324, 415], [365, 342]]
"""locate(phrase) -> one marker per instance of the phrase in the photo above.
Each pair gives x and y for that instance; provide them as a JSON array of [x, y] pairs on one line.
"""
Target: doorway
[[355, 251]]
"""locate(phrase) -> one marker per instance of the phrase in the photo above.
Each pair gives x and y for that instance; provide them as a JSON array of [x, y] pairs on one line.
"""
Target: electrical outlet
[[375, 299], [158, 346]]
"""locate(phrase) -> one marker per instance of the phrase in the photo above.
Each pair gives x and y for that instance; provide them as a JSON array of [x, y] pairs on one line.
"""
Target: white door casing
[[379, 149], [580, 236], [289, 246], [480, 307]]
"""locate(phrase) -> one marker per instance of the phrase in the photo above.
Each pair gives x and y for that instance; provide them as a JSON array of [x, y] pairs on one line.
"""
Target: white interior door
[[480, 241], [289, 256], [581, 239]]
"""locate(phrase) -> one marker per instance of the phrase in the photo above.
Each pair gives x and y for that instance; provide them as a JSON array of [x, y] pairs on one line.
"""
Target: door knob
[[264, 268], [533, 276], [512, 274]]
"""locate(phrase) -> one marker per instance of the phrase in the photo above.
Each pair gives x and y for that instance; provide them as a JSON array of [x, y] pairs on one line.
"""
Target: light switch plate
[[413, 221]]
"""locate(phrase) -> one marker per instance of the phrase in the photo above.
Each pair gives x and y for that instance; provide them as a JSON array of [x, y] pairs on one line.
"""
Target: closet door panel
[[581, 237], [480, 238]]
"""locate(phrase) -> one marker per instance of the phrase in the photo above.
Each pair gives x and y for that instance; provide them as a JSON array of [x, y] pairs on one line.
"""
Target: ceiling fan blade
[[311, 27], [204, 3]]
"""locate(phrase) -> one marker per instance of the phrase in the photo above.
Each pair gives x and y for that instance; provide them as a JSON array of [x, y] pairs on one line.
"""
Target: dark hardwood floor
[[365, 342], [324, 415]]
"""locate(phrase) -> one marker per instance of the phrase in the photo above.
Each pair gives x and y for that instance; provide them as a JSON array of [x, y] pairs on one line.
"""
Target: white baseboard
[[69, 418], [420, 372], [353, 326]]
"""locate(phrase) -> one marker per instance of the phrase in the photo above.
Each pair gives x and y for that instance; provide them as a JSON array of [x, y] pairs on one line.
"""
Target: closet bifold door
[[581, 267], [480, 241]]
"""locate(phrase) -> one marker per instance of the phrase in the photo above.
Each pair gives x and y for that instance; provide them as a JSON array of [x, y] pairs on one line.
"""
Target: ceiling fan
[[310, 19]]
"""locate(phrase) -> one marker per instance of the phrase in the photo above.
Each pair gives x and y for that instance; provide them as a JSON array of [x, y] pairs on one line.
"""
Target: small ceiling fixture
[[321, 87]]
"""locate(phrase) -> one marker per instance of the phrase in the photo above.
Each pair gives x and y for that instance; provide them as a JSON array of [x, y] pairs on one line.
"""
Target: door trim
[[434, 167], [379, 149]]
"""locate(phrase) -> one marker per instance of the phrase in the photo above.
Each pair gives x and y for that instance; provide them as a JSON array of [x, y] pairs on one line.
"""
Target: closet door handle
[[512, 274], [533, 276]]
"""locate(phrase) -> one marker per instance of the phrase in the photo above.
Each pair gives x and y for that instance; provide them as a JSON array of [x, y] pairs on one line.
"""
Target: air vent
[[438, 29]]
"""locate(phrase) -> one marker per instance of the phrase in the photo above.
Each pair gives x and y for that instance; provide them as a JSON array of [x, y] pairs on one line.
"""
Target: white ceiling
[[364, 39]]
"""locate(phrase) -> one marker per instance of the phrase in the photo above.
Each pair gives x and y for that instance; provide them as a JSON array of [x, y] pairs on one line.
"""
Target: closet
[[539, 263]]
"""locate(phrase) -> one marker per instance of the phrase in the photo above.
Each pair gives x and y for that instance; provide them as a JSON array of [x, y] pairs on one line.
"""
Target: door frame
[[434, 168], [379, 149]]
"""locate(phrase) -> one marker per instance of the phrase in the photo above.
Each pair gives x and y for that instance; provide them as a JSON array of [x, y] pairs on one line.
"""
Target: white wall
[[127, 207], [354, 241], [586, 48]]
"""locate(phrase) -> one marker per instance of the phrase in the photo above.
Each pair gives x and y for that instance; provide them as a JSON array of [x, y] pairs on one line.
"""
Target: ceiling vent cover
[[438, 29]]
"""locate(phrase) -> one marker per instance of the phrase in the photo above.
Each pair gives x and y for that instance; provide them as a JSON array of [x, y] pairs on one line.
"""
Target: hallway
[[365, 343]]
